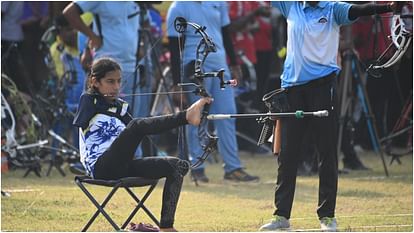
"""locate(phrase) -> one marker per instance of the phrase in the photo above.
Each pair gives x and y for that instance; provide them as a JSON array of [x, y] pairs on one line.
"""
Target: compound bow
[[207, 140]]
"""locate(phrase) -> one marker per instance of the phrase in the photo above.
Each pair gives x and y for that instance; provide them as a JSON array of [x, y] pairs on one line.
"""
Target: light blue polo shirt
[[313, 39], [211, 14], [119, 24]]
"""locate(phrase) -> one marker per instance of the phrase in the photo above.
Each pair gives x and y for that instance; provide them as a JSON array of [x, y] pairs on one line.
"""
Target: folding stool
[[126, 183]]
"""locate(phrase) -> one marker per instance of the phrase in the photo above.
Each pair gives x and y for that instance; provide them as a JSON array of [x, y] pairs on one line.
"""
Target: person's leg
[[145, 86], [59, 129], [130, 87], [226, 129], [114, 162], [350, 160], [325, 134], [292, 135], [146, 77], [174, 170], [14, 66]]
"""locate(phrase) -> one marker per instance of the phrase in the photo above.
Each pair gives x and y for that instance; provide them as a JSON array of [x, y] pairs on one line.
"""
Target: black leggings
[[118, 161]]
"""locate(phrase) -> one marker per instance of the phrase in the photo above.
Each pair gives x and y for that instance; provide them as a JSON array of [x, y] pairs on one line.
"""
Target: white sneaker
[[328, 224], [278, 223]]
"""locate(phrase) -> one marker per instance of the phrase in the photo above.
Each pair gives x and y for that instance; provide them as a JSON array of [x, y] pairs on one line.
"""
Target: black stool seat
[[131, 182], [127, 183]]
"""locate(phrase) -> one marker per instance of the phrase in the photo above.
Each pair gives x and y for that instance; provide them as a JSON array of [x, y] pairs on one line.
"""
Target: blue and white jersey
[[100, 123], [313, 39]]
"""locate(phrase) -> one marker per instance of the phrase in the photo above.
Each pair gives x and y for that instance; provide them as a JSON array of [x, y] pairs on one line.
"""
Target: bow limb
[[401, 40], [396, 56]]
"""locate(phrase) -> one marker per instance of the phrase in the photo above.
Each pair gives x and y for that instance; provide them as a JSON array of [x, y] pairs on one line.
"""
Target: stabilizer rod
[[298, 114]]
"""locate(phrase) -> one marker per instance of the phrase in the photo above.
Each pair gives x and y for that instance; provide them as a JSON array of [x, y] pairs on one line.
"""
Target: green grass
[[367, 201]]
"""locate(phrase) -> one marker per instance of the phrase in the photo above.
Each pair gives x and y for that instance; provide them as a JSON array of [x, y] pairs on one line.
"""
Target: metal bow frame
[[208, 141], [401, 40]]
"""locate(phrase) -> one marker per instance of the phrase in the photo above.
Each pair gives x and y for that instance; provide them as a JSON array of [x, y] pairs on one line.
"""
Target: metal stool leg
[[99, 207], [140, 204]]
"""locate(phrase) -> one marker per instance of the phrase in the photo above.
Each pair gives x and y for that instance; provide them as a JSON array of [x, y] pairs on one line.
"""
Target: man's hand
[[397, 6], [95, 42], [263, 11], [193, 114], [86, 59], [236, 73]]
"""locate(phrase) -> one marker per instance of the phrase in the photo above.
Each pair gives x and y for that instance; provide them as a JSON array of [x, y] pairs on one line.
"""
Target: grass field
[[367, 201]]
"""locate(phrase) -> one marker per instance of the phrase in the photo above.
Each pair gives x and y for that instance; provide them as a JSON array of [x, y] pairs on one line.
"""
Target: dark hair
[[100, 68]]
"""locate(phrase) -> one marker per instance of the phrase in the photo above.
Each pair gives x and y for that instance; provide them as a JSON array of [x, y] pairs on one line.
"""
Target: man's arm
[[371, 9], [228, 46], [241, 22], [72, 13]]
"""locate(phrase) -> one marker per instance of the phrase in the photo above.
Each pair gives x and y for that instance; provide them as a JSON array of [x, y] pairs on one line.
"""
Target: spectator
[[11, 43], [214, 16], [35, 21]]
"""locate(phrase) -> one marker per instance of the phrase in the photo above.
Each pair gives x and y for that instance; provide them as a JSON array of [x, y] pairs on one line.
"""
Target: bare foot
[[193, 114], [170, 229]]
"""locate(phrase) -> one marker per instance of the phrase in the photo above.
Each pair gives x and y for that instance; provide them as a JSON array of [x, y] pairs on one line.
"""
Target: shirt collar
[[321, 4]]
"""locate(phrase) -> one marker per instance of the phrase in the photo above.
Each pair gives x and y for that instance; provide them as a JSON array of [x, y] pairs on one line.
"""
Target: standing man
[[215, 17], [309, 77]]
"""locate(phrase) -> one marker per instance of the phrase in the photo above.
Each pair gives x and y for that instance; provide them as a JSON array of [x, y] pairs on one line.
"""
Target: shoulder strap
[[98, 25]]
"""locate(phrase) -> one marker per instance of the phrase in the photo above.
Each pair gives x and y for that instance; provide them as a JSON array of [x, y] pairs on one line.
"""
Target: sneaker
[[328, 224], [240, 175], [199, 175], [278, 223], [143, 227], [354, 164]]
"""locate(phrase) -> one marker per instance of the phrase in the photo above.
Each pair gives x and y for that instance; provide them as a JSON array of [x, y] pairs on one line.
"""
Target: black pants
[[313, 96], [118, 161]]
